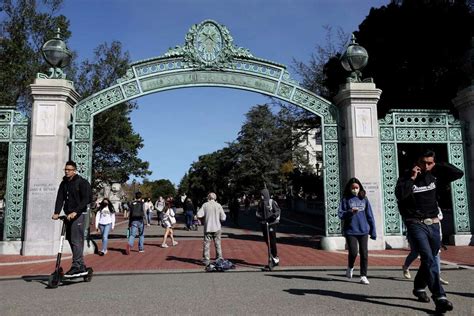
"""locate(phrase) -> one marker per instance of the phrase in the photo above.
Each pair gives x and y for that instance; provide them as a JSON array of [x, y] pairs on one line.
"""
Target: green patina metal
[[421, 126], [14, 131], [209, 58]]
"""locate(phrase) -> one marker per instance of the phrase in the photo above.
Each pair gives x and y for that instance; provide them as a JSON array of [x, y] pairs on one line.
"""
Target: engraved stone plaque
[[46, 122], [363, 118]]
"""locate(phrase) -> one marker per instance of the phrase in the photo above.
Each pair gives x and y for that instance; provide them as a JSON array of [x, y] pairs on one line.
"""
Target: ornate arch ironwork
[[421, 126], [209, 58], [14, 131]]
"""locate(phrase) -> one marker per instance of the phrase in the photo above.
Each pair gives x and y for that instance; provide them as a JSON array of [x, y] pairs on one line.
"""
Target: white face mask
[[355, 191]]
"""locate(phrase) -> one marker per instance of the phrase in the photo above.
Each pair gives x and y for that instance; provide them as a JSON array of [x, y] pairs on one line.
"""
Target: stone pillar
[[361, 146], [53, 102], [464, 103]]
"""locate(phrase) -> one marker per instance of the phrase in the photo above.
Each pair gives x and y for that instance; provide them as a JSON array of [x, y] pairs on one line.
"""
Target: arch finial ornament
[[208, 45]]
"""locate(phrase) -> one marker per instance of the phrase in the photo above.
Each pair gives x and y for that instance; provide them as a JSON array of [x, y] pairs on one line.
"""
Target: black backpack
[[137, 209]]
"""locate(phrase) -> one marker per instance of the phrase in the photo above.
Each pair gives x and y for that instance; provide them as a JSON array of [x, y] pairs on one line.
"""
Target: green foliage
[[418, 53], [157, 188], [211, 173], [116, 145], [25, 26], [422, 61], [263, 154]]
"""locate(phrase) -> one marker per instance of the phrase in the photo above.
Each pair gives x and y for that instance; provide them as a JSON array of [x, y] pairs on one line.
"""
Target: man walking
[[74, 194], [136, 224], [213, 215], [417, 200]]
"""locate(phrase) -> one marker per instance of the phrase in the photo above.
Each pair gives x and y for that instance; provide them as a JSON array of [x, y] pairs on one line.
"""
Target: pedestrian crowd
[[416, 192]]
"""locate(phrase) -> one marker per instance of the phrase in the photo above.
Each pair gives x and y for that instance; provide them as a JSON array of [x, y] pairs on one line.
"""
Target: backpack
[[137, 209], [220, 265]]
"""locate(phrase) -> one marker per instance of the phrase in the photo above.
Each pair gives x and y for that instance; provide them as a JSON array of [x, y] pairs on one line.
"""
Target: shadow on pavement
[[358, 298], [461, 294], [374, 277], [304, 277]]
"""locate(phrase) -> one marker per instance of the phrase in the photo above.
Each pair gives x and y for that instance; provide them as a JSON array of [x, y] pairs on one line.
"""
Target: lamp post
[[354, 60], [57, 55]]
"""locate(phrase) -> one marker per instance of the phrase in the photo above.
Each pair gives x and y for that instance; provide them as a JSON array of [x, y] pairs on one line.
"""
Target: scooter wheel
[[88, 277], [53, 281]]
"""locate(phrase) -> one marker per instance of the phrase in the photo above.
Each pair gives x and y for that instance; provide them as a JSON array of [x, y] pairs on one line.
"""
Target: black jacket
[[73, 195], [419, 198]]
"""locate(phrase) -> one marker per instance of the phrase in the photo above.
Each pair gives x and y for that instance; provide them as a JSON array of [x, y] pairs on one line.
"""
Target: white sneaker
[[363, 280], [276, 261], [164, 246], [349, 272], [175, 243]]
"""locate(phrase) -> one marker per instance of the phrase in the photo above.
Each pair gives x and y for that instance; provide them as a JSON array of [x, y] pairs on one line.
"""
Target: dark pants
[[189, 218], [273, 239], [425, 239], [75, 236], [361, 241]]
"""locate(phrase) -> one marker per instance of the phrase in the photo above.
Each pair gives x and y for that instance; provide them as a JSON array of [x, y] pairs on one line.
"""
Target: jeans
[[75, 236], [137, 226], [104, 230], [273, 242], [216, 236], [189, 218], [425, 239], [414, 254], [362, 241], [149, 215]]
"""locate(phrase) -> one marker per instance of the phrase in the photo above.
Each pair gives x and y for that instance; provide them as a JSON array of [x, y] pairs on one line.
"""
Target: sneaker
[[148, 224], [276, 261], [101, 253], [406, 273], [164, 246], [75, 272], [127, 249], [422, 296], [141, 251], [444, 282], [364, 280], [175, 243], [443, 306], [349, 273]]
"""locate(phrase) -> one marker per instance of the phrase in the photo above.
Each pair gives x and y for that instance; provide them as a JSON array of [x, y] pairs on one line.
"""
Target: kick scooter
[[58, 275]]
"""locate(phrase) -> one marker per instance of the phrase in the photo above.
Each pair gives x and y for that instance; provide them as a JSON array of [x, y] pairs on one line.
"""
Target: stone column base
[[461, 240], [396, 242], [333, 243], [10, 247], [339, 243]]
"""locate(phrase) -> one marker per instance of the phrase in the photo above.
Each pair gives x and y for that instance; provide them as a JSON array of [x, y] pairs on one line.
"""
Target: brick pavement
[[243, 246]]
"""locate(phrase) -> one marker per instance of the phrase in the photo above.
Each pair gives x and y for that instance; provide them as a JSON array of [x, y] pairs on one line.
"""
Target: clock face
[[209, 42]]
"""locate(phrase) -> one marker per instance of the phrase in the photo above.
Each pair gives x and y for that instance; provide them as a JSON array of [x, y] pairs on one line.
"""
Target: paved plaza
[[172, 280]]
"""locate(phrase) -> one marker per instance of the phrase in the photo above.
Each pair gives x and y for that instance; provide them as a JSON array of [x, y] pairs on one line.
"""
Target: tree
[[422, 62], [262, 147], [25, 26], [116, 145]]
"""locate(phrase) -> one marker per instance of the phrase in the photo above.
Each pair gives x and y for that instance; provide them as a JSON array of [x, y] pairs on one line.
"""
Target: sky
[[178, 126]]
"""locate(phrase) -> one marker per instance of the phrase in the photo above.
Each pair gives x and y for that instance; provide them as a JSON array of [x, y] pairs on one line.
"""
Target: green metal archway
[[209, 59]]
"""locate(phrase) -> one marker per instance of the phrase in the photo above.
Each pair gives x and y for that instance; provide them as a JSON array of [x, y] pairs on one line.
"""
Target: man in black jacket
[[74, 194], [418, 205]]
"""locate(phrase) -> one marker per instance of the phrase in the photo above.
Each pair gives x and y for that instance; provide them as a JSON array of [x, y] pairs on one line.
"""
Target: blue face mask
[[355, 192]]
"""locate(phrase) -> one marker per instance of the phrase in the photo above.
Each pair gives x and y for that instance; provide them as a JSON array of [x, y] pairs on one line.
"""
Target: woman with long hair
[[359, 224], [105, 222], [168, 220]]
